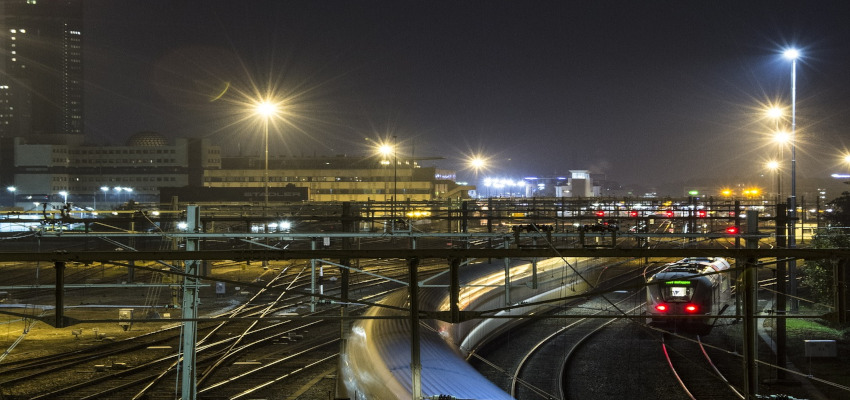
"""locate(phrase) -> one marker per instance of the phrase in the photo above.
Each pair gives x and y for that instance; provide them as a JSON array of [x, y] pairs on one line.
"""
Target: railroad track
[[695, 371], [534, 377], [246, 354]]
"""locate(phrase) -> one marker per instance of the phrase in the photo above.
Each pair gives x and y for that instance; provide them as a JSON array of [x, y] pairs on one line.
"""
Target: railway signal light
[[633, 213], [732, 230], [701, 214], [669, 213], [600, 213]]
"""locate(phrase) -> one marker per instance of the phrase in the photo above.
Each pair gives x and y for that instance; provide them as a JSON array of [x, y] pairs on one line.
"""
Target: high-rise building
[[41, 67]]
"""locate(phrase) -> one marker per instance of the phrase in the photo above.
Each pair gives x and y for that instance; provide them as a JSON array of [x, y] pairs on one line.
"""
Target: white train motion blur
[[685, 295], [376, 364]]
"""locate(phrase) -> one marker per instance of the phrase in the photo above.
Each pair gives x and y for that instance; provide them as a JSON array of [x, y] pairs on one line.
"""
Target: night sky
[[651, 93]]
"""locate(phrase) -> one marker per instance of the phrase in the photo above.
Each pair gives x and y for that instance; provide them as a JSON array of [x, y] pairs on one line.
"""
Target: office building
[[41, 67]]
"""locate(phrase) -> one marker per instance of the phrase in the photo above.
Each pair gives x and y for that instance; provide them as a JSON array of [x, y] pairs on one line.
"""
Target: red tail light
[[691, 308], [661, 307]]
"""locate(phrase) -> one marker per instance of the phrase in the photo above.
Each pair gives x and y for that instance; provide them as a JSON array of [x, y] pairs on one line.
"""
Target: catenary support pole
[[454, 289], [415, 361], [60, 294], [750, 320], [188, 382], [781, 296]]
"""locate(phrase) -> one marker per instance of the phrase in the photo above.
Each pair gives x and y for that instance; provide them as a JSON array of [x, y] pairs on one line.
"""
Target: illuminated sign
[[678, 282]]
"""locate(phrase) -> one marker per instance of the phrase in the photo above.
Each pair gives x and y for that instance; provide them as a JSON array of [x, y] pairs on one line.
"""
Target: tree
[[818, 275], [839, 216]]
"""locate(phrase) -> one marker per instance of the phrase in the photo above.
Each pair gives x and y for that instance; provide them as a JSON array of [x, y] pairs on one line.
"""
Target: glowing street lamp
[[775, 113], [12, 190], [477, 163], [105, 190], [266, 109], [782, 137], [387, 149], [64, 195], [773, 165]]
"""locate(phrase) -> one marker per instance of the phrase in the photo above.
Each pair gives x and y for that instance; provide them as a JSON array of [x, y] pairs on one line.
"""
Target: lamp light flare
[[266, 108], [477, 163], [774, 112], [385, 149], [773, 165], [791, 54]]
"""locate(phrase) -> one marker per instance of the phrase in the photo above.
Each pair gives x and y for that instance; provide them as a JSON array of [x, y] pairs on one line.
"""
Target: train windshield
[[677, 291]]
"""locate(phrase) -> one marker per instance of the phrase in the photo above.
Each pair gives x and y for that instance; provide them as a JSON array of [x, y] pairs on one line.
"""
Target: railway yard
[[259, 336]]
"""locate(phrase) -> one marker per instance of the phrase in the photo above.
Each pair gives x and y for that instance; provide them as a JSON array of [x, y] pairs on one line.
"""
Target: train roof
[[693, 266]]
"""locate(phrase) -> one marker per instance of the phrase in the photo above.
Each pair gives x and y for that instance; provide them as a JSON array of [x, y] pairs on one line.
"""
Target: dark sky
[[648, 92]]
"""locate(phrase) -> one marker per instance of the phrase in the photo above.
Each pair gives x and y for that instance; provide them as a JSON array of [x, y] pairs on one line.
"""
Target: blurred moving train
[[685, 295]]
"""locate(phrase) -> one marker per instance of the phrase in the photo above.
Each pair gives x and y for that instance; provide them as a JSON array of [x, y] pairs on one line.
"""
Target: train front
[[680, 299]]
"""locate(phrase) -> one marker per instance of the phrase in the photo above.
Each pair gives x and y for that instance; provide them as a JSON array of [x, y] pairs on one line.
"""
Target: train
[[686, 295]]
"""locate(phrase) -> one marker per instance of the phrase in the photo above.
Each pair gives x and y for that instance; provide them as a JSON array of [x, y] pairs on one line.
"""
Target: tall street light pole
[[774, 166], [793, 54], [385, 150], [395, 178], [266, 110]]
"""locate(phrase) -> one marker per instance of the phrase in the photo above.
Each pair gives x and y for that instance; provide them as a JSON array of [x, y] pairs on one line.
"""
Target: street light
[[105, 190], [12, 190], [477, 163], [64, 195], [266, 109], [775, 113], [773, 165], [793, 54]]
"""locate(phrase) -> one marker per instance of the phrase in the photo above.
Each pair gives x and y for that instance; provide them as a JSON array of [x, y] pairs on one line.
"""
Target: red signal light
[[600, 213], [691, 308], [661, 307], [701, 213], [669, 213], [732, 230], [633, 213]]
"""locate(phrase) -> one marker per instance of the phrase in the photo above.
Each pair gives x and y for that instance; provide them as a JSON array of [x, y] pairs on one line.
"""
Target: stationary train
[[689, 291]]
